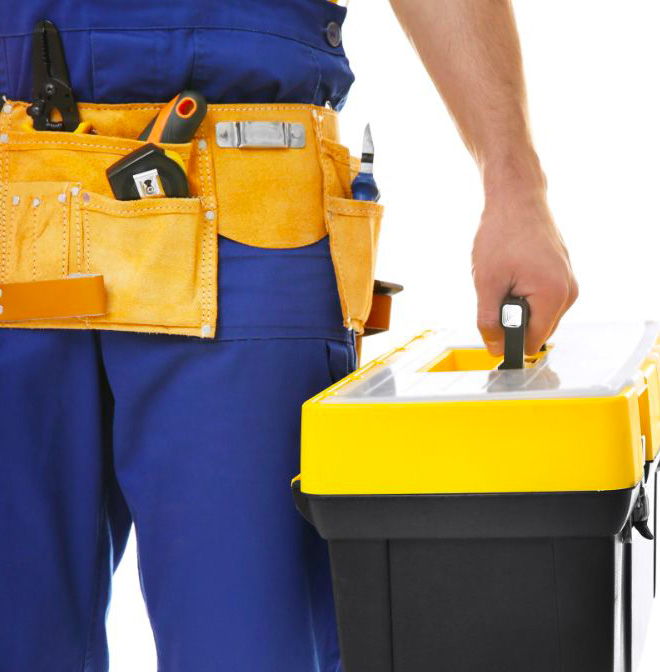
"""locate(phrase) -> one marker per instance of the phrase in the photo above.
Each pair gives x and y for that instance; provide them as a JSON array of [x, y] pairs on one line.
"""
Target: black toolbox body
[[549, 582]]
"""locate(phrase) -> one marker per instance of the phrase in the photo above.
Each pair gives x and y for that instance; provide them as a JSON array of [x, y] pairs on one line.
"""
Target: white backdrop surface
[[593, 72]]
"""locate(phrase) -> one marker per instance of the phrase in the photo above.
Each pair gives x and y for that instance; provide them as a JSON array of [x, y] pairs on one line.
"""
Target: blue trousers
[[194, 442]]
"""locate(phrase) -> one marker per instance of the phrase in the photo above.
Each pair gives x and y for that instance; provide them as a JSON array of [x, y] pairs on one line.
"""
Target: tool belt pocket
[[353, 229], [71, 256], [156, 263]]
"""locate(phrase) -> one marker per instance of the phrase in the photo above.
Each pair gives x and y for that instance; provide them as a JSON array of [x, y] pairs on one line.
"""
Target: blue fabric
[[195, 442], [229, 50]]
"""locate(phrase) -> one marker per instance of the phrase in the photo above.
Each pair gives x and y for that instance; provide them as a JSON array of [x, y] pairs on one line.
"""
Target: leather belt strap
[[379, 317], [74, 296]]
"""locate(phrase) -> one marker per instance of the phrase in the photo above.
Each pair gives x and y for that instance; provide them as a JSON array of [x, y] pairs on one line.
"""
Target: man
[[194, 440]]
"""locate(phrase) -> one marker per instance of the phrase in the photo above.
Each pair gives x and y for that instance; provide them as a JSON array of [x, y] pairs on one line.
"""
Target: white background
[[593, 73]]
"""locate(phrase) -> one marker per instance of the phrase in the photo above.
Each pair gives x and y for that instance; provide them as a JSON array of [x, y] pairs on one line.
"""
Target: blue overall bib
[[192, 441]]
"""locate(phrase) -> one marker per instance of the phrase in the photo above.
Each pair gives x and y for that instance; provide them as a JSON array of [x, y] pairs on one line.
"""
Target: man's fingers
[[546, 309], [573, 293], [489, 301]]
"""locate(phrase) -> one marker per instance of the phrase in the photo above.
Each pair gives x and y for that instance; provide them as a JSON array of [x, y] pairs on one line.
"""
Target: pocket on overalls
[[354, 228]]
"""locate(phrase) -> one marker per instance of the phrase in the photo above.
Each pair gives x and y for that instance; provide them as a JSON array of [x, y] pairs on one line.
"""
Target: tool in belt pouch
[[74, 256]]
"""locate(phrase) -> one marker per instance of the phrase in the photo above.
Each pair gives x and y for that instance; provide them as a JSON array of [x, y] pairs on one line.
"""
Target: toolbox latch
[[641, 514]]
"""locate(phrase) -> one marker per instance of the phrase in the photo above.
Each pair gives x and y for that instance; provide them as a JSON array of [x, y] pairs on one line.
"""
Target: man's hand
[[472, 52], [519, 251]]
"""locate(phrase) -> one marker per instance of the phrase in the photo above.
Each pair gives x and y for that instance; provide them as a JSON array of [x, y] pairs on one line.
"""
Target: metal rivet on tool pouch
[[86, 197], [75, 190], [1, 310], [209, 214], [0, 293], [36, 202], [15, 200], [4, 137], [61, 198], [202, 144], [7, 109], [206, 330]]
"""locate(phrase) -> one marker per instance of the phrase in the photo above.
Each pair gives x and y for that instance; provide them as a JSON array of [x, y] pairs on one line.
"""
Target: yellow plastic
[[490, 446], [649, 406]]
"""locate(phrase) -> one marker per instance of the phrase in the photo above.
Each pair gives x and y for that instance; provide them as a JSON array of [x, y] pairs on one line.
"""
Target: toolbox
[[482, 519]]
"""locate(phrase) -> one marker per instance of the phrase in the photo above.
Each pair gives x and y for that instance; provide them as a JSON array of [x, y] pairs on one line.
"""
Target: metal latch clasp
[[260, 134]]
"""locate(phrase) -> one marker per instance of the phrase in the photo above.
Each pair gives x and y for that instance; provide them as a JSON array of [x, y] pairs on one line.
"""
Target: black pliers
[[51, 87]]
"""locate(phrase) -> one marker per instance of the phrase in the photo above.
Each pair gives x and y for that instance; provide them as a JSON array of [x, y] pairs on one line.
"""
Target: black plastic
[[641, 515], [528, 515], [387, 288], [514, 336], [530, 582], [51, 86], [121, 173]]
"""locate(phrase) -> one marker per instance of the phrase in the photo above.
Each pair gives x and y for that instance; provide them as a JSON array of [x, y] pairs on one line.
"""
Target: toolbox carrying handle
[[514, 317]]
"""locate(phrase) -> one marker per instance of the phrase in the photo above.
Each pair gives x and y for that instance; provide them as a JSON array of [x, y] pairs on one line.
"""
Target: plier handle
[[51, 87]]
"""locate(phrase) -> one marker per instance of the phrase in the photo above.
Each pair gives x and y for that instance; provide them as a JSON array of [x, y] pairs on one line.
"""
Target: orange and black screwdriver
[[178, 121]]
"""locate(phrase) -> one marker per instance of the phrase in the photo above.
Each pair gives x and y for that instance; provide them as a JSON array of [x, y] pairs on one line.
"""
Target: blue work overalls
[[193, 441]]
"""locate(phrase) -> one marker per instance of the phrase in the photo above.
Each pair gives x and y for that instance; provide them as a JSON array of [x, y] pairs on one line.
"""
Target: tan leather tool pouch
[[354, 228], [151, 265], [154, 261]]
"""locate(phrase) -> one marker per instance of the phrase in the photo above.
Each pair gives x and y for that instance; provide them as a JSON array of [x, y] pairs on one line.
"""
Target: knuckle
[[488, 321], [482, 277], [558, 290]]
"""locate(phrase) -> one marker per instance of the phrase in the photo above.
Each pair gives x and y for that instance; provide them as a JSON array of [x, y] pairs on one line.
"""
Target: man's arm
[[472, 52]]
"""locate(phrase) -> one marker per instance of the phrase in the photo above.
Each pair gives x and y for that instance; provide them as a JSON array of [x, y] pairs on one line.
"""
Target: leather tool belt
[[72, 256]]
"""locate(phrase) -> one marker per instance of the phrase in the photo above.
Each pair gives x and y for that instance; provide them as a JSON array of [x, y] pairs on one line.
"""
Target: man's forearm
[[472, 52]]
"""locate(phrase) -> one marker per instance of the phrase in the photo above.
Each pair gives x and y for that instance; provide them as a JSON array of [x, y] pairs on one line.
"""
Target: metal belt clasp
[[260, 134]]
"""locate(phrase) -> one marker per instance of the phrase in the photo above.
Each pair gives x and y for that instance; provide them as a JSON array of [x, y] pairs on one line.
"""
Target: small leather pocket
[[354, 228], [34, 241], [41, 156], [158, 258]]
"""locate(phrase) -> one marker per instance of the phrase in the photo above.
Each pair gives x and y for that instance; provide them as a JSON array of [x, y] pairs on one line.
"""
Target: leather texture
[[354, 228], [67, 297], [159, 256]]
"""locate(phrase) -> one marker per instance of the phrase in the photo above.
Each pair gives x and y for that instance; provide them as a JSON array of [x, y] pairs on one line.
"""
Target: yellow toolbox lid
[[437, 416]]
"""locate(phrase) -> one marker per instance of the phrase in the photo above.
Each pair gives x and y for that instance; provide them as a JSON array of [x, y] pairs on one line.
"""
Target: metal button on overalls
[[333, 34]]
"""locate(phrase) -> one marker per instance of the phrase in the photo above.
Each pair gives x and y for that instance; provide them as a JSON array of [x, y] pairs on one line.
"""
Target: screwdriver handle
[[514, 316], [178, 121], [364, 188]]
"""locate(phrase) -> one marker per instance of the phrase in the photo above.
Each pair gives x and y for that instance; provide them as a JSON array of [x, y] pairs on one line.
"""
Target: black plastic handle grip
[[514, 316]]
